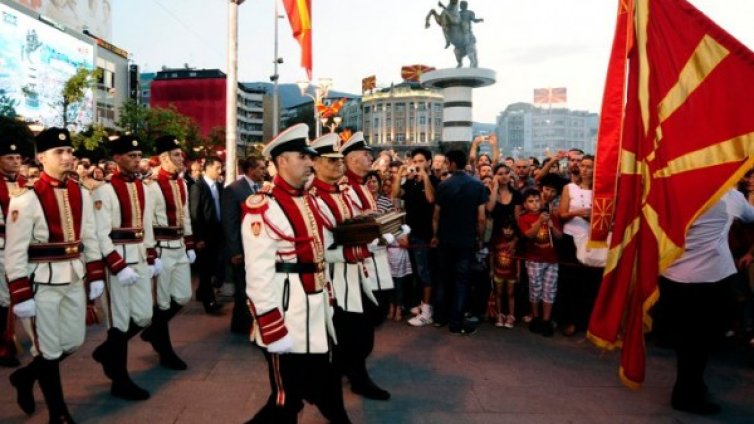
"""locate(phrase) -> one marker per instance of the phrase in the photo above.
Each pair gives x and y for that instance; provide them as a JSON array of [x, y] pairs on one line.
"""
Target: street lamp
[[336, 120], [320, 92]]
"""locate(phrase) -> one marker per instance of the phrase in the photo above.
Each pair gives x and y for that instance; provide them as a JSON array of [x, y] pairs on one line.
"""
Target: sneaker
[[471, 318], [501, 319], [535, 325], [510, 321], [416, 310], [547, 329], [465, 331], [527, 318], [420, 320]]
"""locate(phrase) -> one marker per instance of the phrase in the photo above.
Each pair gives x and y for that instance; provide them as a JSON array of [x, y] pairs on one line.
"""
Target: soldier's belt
[[50, 252], [299, 267], [127, 235], [168, 233]]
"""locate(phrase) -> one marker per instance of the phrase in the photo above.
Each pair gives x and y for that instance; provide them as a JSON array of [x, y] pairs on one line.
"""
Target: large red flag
[[300, 17], [687, 134]]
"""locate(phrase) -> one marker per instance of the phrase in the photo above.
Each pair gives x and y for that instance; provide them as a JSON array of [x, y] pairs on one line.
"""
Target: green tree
[[74, 89], [147, 124], [7, 106], [91, 139]]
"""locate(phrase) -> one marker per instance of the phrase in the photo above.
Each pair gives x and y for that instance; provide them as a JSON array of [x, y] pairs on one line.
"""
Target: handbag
[[593, 257]]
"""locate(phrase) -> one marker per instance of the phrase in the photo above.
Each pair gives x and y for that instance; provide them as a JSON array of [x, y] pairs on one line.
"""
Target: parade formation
[[321, 240]]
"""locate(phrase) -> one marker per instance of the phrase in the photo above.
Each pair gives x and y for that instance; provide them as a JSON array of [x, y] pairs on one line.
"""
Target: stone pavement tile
[[249, 371]]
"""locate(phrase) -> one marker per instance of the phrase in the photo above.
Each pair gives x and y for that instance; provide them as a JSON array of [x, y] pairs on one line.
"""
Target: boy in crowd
[[538, 230]]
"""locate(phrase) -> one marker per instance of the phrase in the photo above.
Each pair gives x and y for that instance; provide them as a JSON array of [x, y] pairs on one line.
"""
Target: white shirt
[[215, 193], [707, 257], [579, 199]]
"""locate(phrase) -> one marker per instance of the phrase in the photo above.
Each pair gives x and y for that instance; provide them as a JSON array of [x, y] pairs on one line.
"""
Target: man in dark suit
[[204, 204], [253, 170]]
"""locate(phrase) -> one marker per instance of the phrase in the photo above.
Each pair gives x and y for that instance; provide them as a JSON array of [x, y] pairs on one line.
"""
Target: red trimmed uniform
[[7, 337], [287, 285], [363, 202], [123, 211], [51, 252], [172, 232]]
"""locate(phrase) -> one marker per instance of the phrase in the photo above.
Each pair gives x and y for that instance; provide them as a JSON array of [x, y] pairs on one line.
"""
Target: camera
[[412, 170]]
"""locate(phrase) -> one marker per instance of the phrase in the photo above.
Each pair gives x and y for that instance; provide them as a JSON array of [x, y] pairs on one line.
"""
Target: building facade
[[200, 94], [402, 117], [527, 130]]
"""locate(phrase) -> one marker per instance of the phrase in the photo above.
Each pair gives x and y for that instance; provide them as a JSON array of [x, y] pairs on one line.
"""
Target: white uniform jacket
[[171, 212], [378, 267], [70, 223], [281, 236], [124, 222], [347, 267]]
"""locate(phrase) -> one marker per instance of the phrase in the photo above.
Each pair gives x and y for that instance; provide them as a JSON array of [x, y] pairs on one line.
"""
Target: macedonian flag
[[300, 17], [684, 135]]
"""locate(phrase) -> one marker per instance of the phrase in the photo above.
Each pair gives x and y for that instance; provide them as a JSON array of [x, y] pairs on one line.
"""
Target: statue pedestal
[[457, 85]]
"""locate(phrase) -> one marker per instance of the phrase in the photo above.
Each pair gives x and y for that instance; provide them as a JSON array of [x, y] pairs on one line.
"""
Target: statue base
[[457, 85]]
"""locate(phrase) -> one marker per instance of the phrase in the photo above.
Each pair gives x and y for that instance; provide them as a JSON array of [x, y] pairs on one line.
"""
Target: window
[[399, 138], [422, 120]]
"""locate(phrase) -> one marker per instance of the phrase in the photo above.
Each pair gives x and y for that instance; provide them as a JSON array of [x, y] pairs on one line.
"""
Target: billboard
[[36, 60], [550, 95], [94, 15]]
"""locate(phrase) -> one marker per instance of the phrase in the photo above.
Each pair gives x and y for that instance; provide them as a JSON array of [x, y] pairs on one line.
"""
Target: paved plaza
[[494, 376]]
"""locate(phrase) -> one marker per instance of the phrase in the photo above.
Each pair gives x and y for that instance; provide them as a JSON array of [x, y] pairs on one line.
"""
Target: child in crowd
[[401, 271], [504, 272], [537, 226]]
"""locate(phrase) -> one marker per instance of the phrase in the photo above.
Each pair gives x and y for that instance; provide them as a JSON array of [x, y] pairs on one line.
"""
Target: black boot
[[362, 384], [159, 337], [104, 354], [48, 372], [123, 387], [23, 380], [7, 345]]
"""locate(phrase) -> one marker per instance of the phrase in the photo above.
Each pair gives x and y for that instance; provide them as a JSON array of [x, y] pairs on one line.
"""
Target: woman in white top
[[578, 284]]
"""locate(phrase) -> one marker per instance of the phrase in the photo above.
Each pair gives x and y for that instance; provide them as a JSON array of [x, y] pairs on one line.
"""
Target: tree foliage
[[150, 123], [7, 106], [74, 90]]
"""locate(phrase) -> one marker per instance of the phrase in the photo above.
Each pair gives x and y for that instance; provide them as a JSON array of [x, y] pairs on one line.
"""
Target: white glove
[[191, 255], [95, 289], [389, 238], [25, 309], [405, 230], [283, 345], [155, 269], [127, 276], [374, 245]]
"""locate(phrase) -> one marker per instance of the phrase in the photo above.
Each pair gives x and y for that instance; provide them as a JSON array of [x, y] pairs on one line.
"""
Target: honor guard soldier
[[53, 262], [175, 248], [287, 285], [349, 273], [123, 212], [358, 159], [15, 138]]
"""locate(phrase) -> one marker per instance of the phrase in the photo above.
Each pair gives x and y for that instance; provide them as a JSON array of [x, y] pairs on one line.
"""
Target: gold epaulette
[[18, 191]]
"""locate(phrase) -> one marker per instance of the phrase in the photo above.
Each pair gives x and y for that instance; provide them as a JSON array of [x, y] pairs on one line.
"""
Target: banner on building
[[414, 73], [550, 95], [369, 83], [94, 15]]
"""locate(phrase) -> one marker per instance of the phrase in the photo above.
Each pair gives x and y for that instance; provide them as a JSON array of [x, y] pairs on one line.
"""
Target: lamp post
[[320, 92], [336, 120]]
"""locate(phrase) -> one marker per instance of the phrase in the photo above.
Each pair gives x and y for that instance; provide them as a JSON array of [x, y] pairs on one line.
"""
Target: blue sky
[[530, 43]]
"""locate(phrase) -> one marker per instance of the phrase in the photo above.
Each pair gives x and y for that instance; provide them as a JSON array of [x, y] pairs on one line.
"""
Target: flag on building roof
[[300, 17], [414, 72], [550, 95], [684, 137], [368, 83]]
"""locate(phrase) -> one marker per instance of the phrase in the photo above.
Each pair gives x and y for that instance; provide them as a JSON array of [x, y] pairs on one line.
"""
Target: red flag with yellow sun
[[682, 137]]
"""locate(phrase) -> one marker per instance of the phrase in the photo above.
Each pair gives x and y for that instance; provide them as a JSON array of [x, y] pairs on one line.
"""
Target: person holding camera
[[418, 195], [538, 228]]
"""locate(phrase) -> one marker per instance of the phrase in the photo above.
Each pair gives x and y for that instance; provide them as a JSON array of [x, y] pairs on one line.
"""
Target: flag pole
[[276, 76], [231, 93]]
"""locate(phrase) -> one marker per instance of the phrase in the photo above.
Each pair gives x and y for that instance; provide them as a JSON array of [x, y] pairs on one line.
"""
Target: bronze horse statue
[[456, 22]]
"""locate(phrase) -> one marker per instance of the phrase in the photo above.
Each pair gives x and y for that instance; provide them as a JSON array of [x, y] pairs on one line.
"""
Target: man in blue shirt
[[458, 227]]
